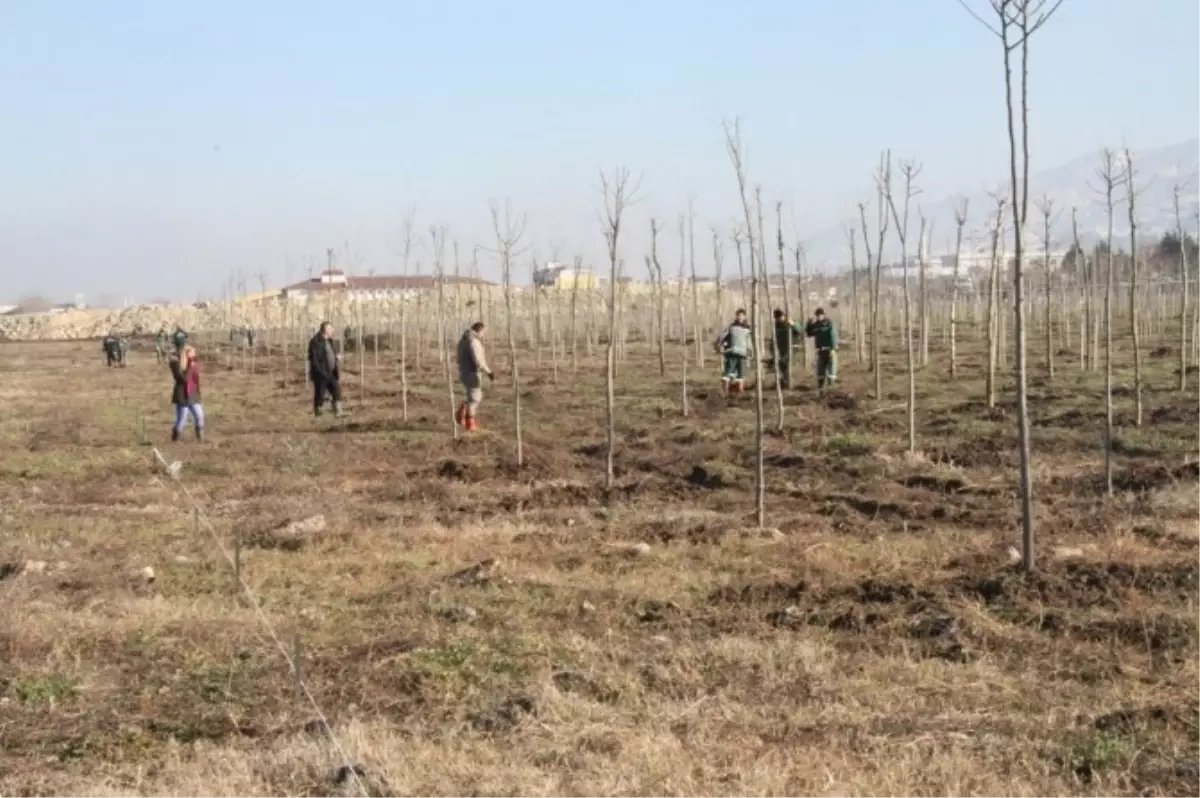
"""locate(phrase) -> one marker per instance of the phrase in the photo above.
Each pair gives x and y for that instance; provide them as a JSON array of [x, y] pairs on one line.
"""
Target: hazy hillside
[[1073, 184]]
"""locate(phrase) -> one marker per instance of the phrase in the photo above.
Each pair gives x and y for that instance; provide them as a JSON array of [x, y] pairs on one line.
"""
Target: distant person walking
[[823, 331], [472, 367], [185, 394], [161, 339], [323, 369], [114, 350]]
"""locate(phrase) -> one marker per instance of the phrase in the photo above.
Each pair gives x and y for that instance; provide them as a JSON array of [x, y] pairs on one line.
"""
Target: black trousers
[[785, 372], [321, 387]]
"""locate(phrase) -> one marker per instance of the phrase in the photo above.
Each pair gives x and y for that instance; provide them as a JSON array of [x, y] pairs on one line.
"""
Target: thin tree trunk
[[439, 243], [923, 291], [733, 141], [685, 232], [615, 198], [574, 318], [960, 221], [697, 324], [859, 344], [1131, 204], [1183, 303]]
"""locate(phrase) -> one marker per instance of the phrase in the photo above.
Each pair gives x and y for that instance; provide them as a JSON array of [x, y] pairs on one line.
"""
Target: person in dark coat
[[185, 394], [823, 331], [787, 336], [323, 370], [114, 350]]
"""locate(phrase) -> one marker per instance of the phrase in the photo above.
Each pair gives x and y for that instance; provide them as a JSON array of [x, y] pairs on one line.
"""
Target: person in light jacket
[[736, 345], [472, 368]]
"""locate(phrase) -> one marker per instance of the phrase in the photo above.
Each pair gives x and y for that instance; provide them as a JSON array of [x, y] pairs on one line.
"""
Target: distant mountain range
[[1072, 185]]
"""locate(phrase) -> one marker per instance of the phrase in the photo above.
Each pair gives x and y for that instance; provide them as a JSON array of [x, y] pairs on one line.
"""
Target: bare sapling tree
[[438, 236], [575, 316], [1083, 271], [960, 221], [802, 300], [1131, 193], [1110, 178], [856, 319], [618, 194], [407, 232], [718, 253], [1015, 22], [993, 324], [789, 343], [658, 286], [909, 171], [922, 286], [737, 245], [1045, 207], [764, 331], [537, 313], [733, 144], [883, 177], [685, 237], [697, 324], [1183, 301], [509, 232]]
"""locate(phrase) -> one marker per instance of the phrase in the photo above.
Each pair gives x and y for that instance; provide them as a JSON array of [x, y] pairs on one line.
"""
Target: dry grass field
[[473, 628]]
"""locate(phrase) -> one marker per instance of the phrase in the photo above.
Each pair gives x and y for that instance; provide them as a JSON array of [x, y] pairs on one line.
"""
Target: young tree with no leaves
[[438, 236], [1110, 177], [733, 144], [1015, 21], [856, 320], [960, 221], [1131, 193], [882, 178], [658, 285], [1183, 301], [618, 194], [685, 236], [1045, 206], [509, 232], [909, 171], [408, 233]]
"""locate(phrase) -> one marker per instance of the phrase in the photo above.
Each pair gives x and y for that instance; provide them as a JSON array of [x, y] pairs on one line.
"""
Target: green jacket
[[160, 340], [823, 333], [785, 329]]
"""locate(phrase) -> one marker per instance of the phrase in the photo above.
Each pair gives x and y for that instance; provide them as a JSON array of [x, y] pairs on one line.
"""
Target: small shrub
[[1098, 753], [45, 689]]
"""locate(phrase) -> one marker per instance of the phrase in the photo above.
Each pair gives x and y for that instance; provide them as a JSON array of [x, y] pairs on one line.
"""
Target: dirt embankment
[[83, 324]]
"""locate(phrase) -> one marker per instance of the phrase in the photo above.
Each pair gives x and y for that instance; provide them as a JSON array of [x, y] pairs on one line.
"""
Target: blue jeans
[[181, 414]]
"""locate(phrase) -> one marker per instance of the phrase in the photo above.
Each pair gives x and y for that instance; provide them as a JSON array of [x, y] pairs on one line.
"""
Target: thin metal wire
[[351, 768]]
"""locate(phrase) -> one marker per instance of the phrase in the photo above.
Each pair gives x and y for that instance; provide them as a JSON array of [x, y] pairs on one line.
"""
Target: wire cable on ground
[[352, 770]]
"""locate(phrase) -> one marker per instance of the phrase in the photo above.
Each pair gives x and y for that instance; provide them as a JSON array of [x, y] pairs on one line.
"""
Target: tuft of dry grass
[[470, 627]]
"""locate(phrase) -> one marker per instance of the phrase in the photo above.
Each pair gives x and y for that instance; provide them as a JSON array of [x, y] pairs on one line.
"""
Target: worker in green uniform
[[823, 331]]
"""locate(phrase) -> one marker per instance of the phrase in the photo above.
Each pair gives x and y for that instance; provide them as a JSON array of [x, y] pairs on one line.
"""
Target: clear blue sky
[[152, 148]]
